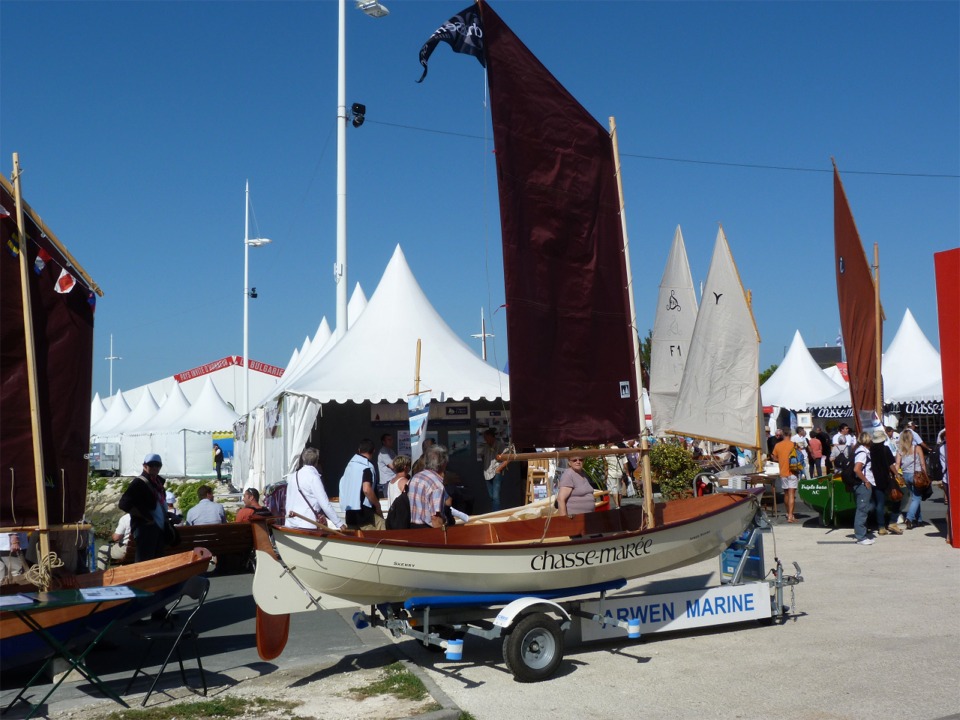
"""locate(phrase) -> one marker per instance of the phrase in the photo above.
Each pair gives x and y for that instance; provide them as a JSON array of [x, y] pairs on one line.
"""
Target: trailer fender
[[524, 606]]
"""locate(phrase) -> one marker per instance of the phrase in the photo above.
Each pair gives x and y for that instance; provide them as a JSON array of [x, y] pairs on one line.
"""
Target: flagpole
[[28, 334]]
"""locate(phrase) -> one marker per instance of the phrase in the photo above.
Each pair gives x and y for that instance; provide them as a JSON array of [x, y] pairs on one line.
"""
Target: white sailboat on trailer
[[560, 217]]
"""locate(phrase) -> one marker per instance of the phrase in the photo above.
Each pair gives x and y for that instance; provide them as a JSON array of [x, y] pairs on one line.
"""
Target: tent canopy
[[355, 369], [797, 380]]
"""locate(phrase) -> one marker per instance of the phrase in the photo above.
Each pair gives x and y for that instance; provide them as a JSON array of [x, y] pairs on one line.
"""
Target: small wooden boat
[[525, 556], [164, 577]]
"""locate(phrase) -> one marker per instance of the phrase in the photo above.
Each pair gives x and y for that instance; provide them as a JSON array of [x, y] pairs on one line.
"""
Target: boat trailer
[[532, 625]]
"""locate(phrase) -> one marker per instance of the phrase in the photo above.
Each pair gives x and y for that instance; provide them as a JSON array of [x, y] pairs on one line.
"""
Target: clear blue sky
[[138, 123]]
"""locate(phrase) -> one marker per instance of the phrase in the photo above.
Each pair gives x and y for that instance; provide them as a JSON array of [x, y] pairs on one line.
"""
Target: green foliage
[[399, 682], [765, 375], [673, 468], [645, 345], [595, 468]]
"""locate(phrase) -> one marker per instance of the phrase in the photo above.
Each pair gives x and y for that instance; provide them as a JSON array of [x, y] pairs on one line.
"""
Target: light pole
[[375, 10], [247, 242]]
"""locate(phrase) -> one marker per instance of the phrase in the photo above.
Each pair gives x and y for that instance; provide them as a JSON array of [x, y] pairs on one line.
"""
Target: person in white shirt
[[116, 550], [864, 489], [385, 467], [307, 497]]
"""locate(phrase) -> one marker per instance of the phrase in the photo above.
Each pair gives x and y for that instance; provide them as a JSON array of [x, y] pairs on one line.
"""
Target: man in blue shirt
[[206, 512]]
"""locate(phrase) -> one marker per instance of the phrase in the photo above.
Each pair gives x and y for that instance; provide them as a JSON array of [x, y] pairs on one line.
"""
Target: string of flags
[[65, 281]]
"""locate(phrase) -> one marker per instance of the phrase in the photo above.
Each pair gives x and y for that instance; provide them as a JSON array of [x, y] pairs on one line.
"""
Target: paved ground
[[876, 634]]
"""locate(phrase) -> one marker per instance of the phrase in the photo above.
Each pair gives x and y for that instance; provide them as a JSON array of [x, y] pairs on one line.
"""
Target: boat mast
[[877, 344], [634, 337], [28, 336]]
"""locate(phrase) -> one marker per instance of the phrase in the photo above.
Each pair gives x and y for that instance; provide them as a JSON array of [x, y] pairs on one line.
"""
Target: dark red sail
[[63, 329], [857, 299], [572, 376]]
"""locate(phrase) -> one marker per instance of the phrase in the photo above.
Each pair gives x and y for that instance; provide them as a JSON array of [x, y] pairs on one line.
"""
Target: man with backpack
[[789, 481]]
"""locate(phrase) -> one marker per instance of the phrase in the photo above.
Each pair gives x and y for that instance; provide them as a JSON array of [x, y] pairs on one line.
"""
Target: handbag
[[896, 494], [921, 480]]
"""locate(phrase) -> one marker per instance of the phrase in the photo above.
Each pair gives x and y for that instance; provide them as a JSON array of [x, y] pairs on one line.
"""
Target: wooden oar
[[316, 522]]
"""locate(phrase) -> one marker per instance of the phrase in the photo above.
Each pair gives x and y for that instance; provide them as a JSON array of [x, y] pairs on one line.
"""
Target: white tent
[[797, 380], [836, 375], [116, 414], [354, 370], [97, 410], [181, 433], [145, 409], [911, 365]]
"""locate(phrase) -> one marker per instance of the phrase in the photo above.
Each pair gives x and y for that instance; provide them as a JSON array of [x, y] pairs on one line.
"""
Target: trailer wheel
[[534, 648]]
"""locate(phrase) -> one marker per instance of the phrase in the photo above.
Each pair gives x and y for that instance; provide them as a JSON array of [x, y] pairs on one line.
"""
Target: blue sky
[[138, 123]]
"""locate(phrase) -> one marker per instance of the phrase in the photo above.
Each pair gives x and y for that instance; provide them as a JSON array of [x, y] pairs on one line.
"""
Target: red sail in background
[[855, 293], [63, 328], [572, 377]]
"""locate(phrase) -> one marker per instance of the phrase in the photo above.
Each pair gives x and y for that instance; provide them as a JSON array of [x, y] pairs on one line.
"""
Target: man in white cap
[[173, 516], [116, 550], [145, 500]]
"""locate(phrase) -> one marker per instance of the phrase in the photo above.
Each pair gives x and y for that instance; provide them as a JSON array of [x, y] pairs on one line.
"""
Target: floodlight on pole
[[375, 10], [248, 242]]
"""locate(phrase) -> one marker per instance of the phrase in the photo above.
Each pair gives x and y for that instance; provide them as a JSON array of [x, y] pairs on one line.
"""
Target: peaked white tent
[[145, 409], [911, 365], [797, 380], [353, 370], [833, 372], [97, 410], [115, 415], [181, 433]]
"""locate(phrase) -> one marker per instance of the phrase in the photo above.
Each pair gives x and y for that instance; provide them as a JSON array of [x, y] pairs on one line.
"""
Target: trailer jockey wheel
[[534, 648]]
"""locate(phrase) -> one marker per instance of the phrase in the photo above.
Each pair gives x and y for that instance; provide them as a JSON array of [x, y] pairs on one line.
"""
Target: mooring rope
[[41, 574]]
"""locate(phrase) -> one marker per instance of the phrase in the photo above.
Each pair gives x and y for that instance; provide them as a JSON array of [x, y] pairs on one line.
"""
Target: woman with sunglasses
[[575, 495]]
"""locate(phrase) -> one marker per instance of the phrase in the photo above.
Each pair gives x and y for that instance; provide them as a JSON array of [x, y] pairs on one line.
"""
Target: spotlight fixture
[[359, 114]]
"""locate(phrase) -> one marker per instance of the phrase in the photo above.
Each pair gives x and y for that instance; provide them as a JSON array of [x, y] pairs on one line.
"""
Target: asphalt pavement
[[874, 632]]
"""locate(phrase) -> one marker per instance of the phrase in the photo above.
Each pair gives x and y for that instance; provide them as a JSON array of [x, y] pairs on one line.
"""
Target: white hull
[[367, 571]]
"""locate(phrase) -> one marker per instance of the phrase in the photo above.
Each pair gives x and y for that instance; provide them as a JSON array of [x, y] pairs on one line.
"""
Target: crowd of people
[[884, 464]]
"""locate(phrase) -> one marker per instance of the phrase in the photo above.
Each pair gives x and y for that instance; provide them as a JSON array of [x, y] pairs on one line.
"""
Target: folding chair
[[195, 588]]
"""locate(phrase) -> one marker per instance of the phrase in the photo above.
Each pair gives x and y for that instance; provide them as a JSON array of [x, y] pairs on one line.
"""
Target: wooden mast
[[634, 337], [878, 342], [28, 336]]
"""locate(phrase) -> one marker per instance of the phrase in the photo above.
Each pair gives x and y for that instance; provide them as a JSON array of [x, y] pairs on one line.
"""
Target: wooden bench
[[230, 543]]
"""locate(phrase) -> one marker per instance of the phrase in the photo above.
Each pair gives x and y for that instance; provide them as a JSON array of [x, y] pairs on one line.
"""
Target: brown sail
[[857, 298], [63, 335], [572, 377]]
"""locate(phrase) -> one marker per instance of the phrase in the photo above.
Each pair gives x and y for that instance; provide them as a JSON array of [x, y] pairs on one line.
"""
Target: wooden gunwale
[[584, 529]]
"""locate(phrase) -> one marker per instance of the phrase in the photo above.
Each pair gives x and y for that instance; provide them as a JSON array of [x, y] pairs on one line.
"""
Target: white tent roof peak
[[144, 411], [354, 370], [798, 380], [97, 410], [911, 363], [171, 410], [208, 413], [116, 414], [356, 306]]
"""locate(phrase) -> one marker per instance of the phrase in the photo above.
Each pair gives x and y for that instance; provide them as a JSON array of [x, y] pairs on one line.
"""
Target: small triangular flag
[[65, 282]]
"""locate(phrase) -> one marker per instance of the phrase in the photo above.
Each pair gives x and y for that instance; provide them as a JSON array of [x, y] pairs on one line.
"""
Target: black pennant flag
[[464, 33]]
